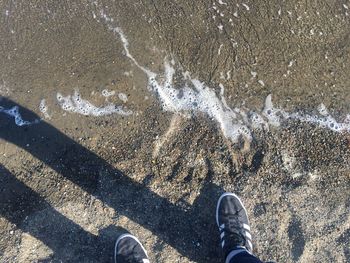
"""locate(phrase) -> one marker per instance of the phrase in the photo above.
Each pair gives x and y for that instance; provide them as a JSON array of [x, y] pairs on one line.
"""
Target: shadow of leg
[[181, 227], [25, 208], [191, 230]]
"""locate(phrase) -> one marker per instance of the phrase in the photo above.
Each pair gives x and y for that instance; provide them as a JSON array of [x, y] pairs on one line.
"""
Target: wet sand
[[84, 172]]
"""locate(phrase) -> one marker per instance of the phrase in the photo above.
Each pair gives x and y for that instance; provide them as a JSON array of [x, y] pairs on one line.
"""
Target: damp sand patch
[[196, 96]]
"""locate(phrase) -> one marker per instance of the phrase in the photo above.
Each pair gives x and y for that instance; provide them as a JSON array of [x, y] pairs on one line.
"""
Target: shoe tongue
[[236, 238], [233, 240]]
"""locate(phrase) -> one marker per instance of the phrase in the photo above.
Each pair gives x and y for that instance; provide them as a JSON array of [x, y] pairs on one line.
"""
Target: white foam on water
[[228, 74], [196, 97], [74, 103], [276, 116], [123, 97], [222, 2], [261, 82], [14, 112], [219, 50], [106, 93], [246, 6], [44, 109]]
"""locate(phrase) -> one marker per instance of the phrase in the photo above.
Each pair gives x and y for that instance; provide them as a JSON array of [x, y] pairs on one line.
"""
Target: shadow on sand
[[190, 230]]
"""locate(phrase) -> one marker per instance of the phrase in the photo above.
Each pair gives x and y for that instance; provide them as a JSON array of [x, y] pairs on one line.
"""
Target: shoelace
[[130, 258], [234, 236]]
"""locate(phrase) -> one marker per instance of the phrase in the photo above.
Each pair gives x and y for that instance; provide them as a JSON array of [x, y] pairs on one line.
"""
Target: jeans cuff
[[235, 252]]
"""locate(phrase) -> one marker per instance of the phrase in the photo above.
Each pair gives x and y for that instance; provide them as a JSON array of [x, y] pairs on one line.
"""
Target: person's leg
[[242, 257], [232, 220], [128, 249]]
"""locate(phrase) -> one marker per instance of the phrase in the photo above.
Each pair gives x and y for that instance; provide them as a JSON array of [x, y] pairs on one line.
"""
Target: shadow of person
[[107, 239], [190, 230], [47, 225]]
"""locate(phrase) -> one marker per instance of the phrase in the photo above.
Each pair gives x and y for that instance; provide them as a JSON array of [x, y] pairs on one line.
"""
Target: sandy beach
[[134, 116]]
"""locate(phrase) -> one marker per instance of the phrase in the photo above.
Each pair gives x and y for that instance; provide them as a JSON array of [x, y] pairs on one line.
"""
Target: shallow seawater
[[179, 100]]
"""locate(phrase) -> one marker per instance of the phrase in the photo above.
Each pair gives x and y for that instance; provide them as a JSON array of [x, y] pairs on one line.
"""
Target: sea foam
[[196, 97], [44, 109], [74, 103], [14, 112]]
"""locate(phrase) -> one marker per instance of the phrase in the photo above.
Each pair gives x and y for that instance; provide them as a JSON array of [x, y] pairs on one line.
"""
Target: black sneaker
[[232, 220], [128, 249]]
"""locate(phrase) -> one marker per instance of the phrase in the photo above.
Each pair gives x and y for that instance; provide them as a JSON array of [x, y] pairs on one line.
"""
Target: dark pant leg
[[245, 257]]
